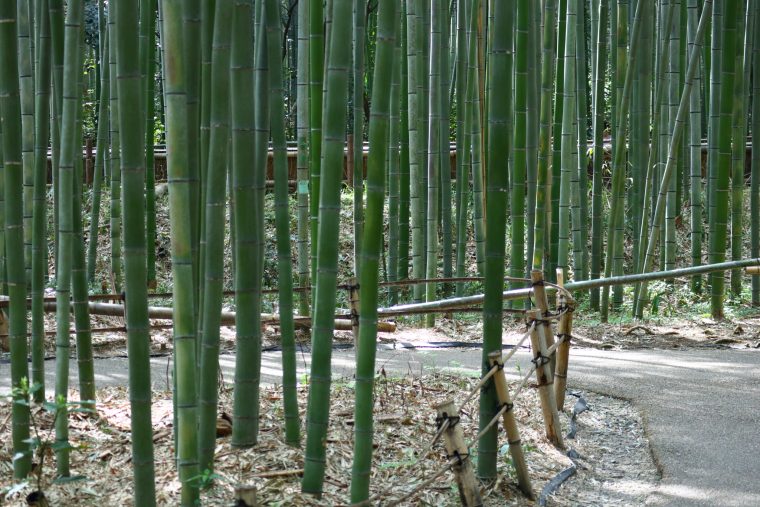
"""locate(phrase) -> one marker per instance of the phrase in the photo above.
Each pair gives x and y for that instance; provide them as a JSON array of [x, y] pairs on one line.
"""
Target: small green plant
[[41, 444], [205, 479]]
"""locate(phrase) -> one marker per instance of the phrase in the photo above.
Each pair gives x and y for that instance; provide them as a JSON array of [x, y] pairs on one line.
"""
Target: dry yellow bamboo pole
[[453, 439], [544, 379], [753, 270], [542, 302], [510, 425], [564, 334]]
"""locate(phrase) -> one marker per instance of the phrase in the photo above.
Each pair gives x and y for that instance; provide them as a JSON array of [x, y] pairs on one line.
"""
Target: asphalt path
[[701, 408]]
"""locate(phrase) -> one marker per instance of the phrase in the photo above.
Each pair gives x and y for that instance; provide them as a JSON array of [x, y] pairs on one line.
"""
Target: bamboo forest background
[[601, 137]]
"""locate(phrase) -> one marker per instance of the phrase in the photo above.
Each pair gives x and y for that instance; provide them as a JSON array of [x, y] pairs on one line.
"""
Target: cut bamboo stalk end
[[453, 438], [545, 380], [510, 425], [753, 270]]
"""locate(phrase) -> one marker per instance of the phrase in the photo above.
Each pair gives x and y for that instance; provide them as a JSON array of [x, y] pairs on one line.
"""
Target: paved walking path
[[701, 408]]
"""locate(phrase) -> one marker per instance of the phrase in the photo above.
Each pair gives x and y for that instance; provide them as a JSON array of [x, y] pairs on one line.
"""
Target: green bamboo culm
[[247, 297], [755, 182], [719, 236], [433, 150], [302, 170], [544, 176], [600, 66], [180, 218], [392, 174], [115, 176], [26, 89], [332, 141], [147, 66], [39, 215], [14, 241], [738, 147], [79, 303], [56, 15], [70, 151], [416, 142], [282, 224], [216, 179], [569, 146], [359, 37], [499, 57], [404, 159], [387, 33], [316, 71], [462, 144], [695, 157], [520, 136], [101, 157], [135, 270]]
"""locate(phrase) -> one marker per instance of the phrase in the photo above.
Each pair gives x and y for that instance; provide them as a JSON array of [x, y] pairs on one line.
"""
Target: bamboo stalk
[[564, 334]]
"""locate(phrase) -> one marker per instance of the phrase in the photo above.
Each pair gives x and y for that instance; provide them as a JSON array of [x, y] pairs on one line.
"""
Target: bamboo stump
[[545, 380], [453, 437], [245, 496], [510, 425]]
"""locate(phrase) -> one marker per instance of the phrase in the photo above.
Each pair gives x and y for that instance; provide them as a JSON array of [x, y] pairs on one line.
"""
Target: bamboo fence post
[[564, 334], [510, 425], [453, 438], [353, 302], [542, 302], [544, 380]]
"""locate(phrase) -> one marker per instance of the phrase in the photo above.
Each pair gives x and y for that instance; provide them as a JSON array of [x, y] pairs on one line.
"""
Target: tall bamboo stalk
[[695, 156], [39, 215], [135, 270], [329, 215], [359, 37], [26, 89], [433, 149], [282, 219], [569, 146], [216, 175], [520, 136], [462, 143], [474, 119], [180, 217], [247, 298], [404, 174], [302, 170], [147, 66], [499, 61], [10, 109], [393, 163], [599, 68], [316, 73], [755, 184], [115, 176], [739, 134], [101, 157], [718, 234], [387, 49]]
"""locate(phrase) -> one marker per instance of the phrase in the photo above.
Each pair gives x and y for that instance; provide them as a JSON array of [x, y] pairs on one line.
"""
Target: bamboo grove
[[601, 137]]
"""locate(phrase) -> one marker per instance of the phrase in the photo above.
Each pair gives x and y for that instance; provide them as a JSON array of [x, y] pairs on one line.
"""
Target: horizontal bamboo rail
[[228, 318], [452, 304]]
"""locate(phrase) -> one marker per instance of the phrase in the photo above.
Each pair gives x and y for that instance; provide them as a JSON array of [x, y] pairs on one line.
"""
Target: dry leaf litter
[[612, 457]]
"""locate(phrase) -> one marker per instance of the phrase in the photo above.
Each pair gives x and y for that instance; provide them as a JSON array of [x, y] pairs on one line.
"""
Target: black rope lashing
[[564, 337], [459, 457], [452, 419], [540, 360]]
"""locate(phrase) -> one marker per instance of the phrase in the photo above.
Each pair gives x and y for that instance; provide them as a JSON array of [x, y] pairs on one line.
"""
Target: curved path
[[701, 408]]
